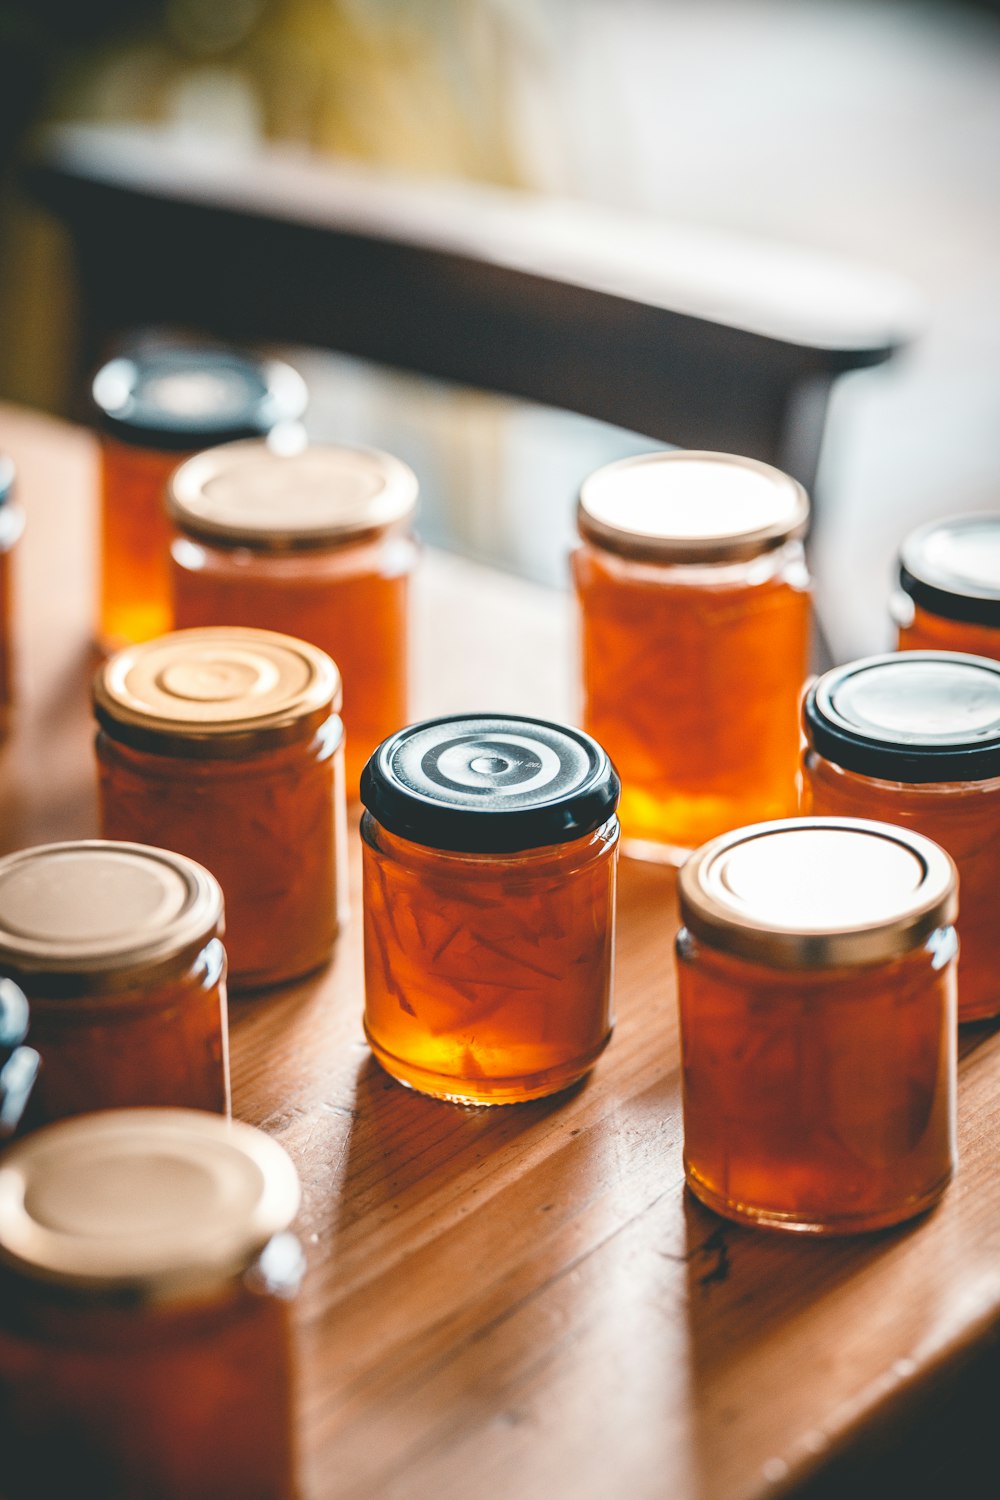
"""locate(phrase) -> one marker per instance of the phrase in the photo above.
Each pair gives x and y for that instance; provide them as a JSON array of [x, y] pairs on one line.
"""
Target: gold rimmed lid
[[246, 494], [217, 691], [81, 918], [818, 892], [689, 506], [159, 1204]]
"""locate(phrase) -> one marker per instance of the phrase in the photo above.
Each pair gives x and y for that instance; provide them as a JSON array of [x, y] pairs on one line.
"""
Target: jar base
[[479, 1092], [763, 1218]]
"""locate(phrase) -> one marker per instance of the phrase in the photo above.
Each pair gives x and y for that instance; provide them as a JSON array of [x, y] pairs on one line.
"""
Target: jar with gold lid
[[816, 983], [11, 527], [154, 406], [18, 1062], [694, 606], [117, 947], [948, 597], [146, 1278], [227, 745], [914, 738], [490, 847], [318, 544]]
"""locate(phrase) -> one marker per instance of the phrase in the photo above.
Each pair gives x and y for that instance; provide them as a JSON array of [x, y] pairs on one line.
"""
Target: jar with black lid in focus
[[949, 587], [490, 847], [11, 527], [146, 1275], [154, 406], [694, 605], [914, 738], [318, 544], [227, 745], [117, 947], [816, 984], [18, 1062]]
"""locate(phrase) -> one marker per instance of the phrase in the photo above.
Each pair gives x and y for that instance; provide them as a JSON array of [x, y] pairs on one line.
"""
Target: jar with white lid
[[948, 597]]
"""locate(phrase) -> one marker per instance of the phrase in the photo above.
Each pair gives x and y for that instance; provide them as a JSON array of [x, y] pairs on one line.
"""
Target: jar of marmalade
[[18, 1063], [490, 845], [949, 587], [154, 407], [11, 527], [117, 948], [816, 981], [226, 745], [914, 739], [146, 1275], [694, 617], [317, 544]]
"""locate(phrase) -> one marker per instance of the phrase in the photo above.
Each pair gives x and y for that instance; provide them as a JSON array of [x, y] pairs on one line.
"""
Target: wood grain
[[524, 1302]]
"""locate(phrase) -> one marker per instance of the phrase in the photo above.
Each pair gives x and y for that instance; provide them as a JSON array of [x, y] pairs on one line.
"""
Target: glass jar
[[914, 739], [18, 1063], [316, 544], [226, 745], [949, 587], [146, 1274], [694, 610], [117, 948], [154, 407], [816, 982], [490, 848], [11, 527]]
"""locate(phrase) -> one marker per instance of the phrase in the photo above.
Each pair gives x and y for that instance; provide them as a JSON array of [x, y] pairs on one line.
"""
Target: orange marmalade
[[694, 610], [816, 982], [490, 845], [316, 544], [226, 745], [146, 1274], [949, 587], [154, 407], [11, 526]]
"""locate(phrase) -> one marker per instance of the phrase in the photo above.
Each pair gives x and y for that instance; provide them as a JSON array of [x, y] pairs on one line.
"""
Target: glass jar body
[[153, 1041], [271, 827], [692, 676], [189, 1401], [919, 630], [964, 818], [351, 600], [135, 543], [11, 526], [818, 1100], [488, 976]]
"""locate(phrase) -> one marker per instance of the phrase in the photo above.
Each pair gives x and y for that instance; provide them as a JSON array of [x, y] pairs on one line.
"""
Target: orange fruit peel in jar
[[949, 586]]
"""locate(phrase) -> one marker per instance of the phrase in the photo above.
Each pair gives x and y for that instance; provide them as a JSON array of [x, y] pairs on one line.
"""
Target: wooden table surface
[[524, 1302]]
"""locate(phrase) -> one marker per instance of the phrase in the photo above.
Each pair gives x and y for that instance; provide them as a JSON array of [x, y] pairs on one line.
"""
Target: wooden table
[[524, 1302]]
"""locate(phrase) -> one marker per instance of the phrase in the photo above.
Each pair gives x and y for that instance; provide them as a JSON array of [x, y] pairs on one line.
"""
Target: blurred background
[[868, 128]]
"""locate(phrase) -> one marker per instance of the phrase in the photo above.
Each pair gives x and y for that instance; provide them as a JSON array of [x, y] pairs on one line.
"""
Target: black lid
[[6, 478], [180, 398], [490, 784], [952, 568], [916, 716]]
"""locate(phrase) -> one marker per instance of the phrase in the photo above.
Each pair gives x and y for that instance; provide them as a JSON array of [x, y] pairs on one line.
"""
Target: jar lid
[[155, 1203], [952, 568], [81, 918], [245, 494], [818, 892], [490, 784], [691, 507], [217, 691], [176, 398], [913, 716]]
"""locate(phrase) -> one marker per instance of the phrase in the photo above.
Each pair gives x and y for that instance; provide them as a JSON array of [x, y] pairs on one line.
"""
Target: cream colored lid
[[818, 892], [221, 689], [247, 494], [691, 506], [82, 917], [160, 1202]]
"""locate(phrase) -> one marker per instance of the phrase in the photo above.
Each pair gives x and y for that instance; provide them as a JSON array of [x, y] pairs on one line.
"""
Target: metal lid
[[914, 716], [155, 1203], [177, 398], [92, 916], [245, 494], [490, 783], [952, 568], [691, 507], [818, 892], [217, 691]]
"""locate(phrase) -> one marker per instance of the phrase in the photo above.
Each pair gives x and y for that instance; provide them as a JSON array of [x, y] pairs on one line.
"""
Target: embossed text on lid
[[952, 567]]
